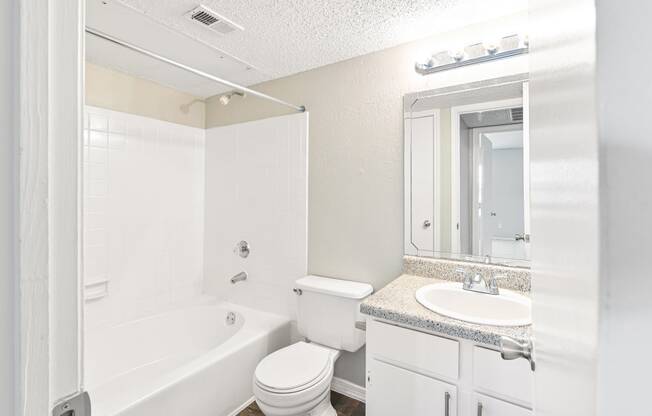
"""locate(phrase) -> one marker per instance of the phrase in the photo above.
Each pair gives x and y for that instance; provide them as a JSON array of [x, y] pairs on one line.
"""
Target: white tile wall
[[143, 214], [256, 190]]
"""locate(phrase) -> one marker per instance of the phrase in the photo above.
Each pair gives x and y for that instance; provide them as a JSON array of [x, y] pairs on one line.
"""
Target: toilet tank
[[327, 310]]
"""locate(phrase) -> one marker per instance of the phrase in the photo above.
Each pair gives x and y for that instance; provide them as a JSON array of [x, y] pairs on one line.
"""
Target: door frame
[[50, 104], [456, 112], [526, 171], [410, 248]]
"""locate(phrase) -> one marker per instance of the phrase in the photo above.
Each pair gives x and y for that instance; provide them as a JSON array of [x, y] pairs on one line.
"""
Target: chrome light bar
[[473, 54]]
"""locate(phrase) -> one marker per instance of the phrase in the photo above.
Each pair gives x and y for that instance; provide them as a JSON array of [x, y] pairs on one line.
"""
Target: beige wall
[[356, 151], [119, 91]]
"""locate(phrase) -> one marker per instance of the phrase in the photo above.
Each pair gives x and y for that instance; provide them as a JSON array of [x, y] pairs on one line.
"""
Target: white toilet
[[296, 380]]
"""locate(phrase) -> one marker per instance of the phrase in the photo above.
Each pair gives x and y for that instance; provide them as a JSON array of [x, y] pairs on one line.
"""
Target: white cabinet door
[[422, 178], [488, 406], [393, 391]]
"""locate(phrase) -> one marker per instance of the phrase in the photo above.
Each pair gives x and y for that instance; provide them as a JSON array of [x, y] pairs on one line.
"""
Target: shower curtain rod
[[222, 81]]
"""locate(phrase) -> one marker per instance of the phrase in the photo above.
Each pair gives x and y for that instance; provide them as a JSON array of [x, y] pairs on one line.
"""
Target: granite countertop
[[396, 303]]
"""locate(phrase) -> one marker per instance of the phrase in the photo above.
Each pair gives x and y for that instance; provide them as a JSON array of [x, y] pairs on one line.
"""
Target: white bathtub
[[188, 361]]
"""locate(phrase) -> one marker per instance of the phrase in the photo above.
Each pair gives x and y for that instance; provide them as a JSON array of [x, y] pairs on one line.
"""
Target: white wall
[[591, 202], [142, 216], [565, 208], [507, 183], [624, 96], [8, 42], [256, 190]]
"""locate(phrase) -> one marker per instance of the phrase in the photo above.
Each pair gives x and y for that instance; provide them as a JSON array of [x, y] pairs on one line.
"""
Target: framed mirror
[[466, 159]]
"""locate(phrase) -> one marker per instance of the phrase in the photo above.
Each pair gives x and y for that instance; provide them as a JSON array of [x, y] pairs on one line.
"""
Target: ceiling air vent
[[516, 114], [208, 18]]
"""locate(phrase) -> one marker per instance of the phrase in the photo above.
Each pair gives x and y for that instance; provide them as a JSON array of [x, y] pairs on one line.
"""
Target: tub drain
[[230, 318]]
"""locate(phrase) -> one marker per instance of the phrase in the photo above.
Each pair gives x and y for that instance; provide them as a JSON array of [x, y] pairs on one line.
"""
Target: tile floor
[[345, 406]]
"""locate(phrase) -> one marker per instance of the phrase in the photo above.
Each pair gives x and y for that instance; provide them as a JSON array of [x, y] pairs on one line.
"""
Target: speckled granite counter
[[512, 278], [396, 303]]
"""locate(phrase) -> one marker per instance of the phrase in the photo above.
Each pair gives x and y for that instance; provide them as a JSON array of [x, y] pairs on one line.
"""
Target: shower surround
[[143, 216], [164, 206], [257, 191]]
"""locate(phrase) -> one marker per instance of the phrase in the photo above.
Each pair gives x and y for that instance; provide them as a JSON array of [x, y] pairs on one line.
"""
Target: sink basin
[[506, 309]]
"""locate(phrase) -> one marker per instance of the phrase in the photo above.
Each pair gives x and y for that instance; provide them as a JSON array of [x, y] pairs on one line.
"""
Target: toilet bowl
[[296, 380]]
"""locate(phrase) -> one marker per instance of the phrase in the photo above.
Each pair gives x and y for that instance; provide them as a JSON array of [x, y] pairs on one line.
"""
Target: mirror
[[467, 172]]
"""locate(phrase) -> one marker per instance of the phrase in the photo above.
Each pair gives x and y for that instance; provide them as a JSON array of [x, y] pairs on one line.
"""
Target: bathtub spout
[[239, 277]]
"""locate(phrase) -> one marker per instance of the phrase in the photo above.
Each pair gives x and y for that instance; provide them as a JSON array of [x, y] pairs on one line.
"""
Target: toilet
[[296, 380]]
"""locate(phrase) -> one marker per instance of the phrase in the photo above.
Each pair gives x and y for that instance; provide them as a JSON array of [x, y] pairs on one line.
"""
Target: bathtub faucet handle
[[242, 249]]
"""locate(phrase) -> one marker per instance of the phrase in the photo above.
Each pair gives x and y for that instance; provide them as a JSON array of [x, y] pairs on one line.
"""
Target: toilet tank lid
[[335, 287]]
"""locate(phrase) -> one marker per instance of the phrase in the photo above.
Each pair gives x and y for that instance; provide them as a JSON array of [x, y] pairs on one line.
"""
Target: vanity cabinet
[[408, 393], [410, 372]]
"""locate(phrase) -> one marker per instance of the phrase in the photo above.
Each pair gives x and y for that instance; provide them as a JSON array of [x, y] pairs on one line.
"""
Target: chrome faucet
[[239, 277], [477, 283]]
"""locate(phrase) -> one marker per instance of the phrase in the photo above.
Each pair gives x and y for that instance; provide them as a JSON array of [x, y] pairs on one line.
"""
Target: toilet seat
[[294, 377], [293, 368]]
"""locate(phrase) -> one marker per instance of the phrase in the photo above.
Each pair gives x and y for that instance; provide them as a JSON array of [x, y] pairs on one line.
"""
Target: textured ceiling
[[283, 37]]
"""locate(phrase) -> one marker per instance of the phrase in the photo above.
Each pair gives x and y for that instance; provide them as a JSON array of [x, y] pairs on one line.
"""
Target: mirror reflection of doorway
[[492, 188], [498, 194]]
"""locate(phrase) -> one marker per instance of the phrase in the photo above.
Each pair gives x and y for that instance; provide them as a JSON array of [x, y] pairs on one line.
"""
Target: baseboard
[[349, 389], [243, 406]]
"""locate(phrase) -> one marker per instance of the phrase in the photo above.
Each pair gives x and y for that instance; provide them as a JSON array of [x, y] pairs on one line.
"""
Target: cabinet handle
[[479, 409], [447, 404]]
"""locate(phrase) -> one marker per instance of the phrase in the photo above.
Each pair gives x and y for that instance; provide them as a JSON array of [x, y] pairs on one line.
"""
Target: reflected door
[[422, 186], [485, 223]]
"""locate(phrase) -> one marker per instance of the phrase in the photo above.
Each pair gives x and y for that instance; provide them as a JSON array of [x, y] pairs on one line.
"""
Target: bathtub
[[197, 360]]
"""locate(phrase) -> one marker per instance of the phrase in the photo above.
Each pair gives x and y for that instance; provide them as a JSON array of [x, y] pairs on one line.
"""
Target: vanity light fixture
[[473, 54]]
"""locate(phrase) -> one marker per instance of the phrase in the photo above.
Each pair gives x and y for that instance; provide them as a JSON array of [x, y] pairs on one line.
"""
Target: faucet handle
[[493, 284], [242, 249], [465, 275]]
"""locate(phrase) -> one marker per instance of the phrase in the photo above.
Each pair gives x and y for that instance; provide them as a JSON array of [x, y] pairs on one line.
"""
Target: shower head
[[225, 98]]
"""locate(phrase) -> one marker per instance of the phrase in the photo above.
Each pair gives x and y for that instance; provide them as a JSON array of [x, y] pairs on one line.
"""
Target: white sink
[[506, 309]]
